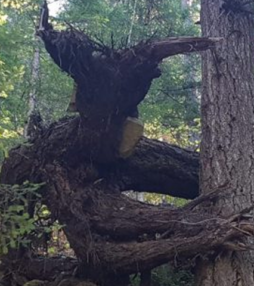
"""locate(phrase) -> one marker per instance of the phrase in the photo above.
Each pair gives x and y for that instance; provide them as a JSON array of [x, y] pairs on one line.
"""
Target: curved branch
[[109, 232], [154, 167], [138, 257], [116, 234], [159, 167]]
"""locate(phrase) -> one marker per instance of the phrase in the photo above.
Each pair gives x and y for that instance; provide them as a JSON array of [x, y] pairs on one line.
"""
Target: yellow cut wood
[[132, 132]]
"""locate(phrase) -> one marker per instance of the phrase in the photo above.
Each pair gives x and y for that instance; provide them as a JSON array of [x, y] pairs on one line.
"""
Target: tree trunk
[[29, 129], [187, 59], [132, 23], [227, 151]]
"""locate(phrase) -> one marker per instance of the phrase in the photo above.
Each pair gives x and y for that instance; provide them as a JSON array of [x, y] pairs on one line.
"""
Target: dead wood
[[114, 81], [38, 267], [154, 167], [77, 158], [111, 234]]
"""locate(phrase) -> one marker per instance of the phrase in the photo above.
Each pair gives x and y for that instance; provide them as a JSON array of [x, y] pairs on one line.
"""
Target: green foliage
[[46, 229], [157, 199], [17, 27], [24, 220], [167, 276], [15, 221], [171, 109], [12, 77], [154, 17]]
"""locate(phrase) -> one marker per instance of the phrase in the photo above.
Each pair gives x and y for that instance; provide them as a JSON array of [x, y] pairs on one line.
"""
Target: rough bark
[[31, 268], [112, 235], [161, 168], [113, 82], [227, 129], [154, 167], [130, 237], [87, 212]]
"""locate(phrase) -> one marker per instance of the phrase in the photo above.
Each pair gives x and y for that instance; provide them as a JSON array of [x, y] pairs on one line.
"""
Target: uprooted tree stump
[[78, 159]]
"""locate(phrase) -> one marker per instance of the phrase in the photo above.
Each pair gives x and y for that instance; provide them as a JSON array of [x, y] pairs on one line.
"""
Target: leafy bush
[[15, 221], [167, 276]]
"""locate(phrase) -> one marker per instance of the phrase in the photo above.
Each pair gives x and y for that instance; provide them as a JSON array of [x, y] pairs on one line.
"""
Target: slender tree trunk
[[186, 4], [227, 151], [132, 22], [191, 75], [32, 94]]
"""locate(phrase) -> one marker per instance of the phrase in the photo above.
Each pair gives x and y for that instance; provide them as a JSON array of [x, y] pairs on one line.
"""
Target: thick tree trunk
[[227, 151]]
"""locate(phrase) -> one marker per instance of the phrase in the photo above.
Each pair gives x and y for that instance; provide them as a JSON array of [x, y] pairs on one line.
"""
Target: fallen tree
[[79, 161]]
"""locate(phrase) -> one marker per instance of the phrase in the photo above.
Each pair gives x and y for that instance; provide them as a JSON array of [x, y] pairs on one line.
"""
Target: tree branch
[[158, 167], [174, 46], [109, 232], [154, 167]]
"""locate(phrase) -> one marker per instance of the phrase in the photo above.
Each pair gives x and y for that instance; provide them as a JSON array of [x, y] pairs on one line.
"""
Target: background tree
[[17, 36]]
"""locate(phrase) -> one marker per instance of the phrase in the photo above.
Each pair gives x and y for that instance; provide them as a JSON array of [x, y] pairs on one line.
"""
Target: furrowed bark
[[154, 167], [227, 129], [149, 168], [39, 267]]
